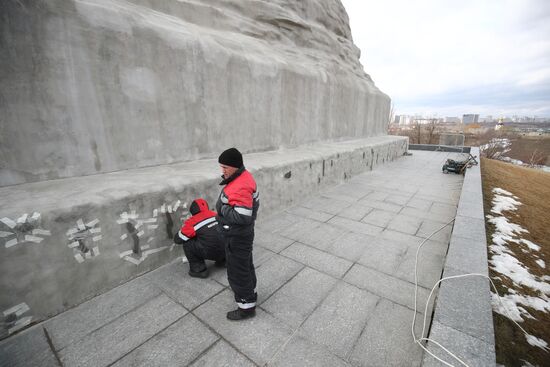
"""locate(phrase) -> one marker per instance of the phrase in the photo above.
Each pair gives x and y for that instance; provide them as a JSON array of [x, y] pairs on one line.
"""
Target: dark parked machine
[[459, 166]]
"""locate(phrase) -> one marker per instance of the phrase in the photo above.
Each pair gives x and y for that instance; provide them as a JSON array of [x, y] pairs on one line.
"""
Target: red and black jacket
[[238, 203], [200, 227]]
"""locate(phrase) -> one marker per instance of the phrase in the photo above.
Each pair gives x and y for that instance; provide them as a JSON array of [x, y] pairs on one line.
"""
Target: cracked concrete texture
[[309, 313]]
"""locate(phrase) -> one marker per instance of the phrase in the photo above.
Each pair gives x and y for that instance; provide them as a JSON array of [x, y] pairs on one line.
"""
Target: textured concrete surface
[[98, 86], [65, 241], [308, 315]]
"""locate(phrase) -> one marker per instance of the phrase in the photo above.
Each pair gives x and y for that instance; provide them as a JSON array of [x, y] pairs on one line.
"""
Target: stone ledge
[[125, 220], [463, 319]]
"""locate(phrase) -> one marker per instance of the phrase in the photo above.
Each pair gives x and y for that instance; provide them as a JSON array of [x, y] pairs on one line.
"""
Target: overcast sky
[[449, 57]]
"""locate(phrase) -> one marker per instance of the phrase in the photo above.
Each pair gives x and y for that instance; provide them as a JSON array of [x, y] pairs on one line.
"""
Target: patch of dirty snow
[[536, 342], [501, 202], [531, 245], [541, 263]]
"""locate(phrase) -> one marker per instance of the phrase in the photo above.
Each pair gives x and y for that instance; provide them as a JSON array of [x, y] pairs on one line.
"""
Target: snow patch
[[536, 342], [541, 263]]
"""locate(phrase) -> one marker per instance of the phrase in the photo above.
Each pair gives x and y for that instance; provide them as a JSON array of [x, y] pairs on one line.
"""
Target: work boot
[[241, 314], [198, 270]]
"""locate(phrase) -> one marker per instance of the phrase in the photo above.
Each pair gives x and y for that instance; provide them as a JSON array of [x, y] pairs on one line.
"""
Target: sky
[[452, 57]]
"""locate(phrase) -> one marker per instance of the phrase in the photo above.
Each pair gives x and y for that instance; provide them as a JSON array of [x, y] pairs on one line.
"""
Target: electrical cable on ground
[[425, 339]]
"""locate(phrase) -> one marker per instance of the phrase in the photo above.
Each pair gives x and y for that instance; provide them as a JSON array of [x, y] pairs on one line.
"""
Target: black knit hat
[[231, 157]]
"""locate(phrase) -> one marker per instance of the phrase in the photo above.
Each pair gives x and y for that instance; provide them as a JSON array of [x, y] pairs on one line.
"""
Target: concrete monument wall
[[94, 86]]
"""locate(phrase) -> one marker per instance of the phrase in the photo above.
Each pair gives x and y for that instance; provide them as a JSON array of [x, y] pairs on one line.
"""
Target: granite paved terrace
[[335, 286]]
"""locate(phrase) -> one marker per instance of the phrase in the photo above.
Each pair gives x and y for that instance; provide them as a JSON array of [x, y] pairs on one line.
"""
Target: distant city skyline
[[452, 58]]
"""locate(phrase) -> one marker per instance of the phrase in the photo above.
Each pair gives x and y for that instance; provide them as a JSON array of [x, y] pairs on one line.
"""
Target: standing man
[[237, 208]]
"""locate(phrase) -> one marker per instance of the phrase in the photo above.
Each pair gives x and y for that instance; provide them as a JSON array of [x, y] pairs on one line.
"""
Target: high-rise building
[[470, 118]]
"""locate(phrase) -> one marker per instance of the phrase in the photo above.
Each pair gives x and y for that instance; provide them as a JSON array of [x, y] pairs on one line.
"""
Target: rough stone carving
[[91, 86]]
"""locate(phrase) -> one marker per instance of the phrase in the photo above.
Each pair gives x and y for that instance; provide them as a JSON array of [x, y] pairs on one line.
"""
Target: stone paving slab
[[273, 274], [321, 237], [473, 351], [429, 267], [293, 303], [111, 342], [357, 227], [309, 213], [355, 212], [382, 258], [319, 260], [378, 347], [177, 345], [259, 338], [428, 227], [271, 241], [378, 217], [180, 286], [386, 286], [29, 348], [74, 324], [350, 246], [339, 320], [326, 205], [222, 355], [404, 223], [299, 352]]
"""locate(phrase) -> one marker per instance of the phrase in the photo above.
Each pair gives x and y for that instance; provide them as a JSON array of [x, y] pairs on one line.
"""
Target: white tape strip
[[73, 244], [23, 218], [169, 209], [24, 308], [150, 239], [122, 221], [95, 230], [79, 258], [34, 239], [97, 238], [12, 242], [155, 250], [145, 247], [150, 220], [125, 253], [35, 215], [184, 205], [92, 223], [71, 231], [6, 234], [20, 324], [80, 224], [184, 259], [155, 213], [124, 236], [177, 205], [96, 251], [138, 224], [7, 221], [42, 232], [16, 308], [132, 260], [140, 233], [153, 226], [88, 255], [133, 215]]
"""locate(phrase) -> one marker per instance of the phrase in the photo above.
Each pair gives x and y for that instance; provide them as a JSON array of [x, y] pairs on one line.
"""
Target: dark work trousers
[[240, 268], [196, 253]]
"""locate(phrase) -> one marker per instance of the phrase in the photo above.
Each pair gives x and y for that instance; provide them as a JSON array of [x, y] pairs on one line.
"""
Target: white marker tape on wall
[[97, 238], [177, 205], [155, 250], [79, 258], [71, 231], [138, 224], [73, 244], [16, 309], [153, 226], [12, 242], [124, 236], [6, 234], [88, 255], [155, 213], [125, 253], [150, 220], [92, 223], [7, 221], [169, 209], [35, 215], [19, 324], [80, 224], [132, 260], [122, 221], [95, 230], [96, 251], [140, 233], [23, 218], [145, 247], [184, 205], [150, 239], [42, 232], [34, 239]]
